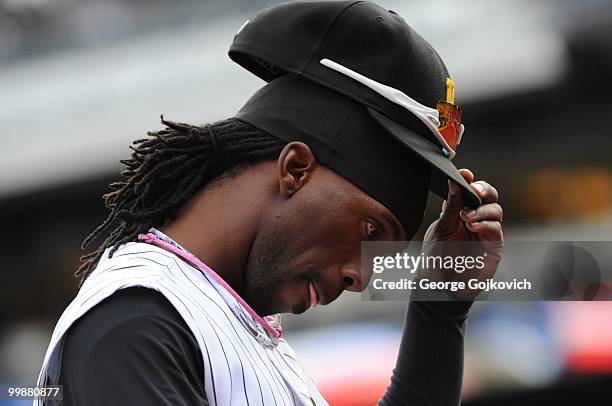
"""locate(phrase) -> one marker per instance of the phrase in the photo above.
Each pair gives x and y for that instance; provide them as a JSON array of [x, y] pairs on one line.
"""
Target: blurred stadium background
[[79, 80]]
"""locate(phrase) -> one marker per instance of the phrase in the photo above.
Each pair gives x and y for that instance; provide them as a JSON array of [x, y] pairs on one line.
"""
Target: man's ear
[[295, 166]]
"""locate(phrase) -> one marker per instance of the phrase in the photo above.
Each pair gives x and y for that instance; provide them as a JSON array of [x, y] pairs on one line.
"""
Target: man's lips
[[314, 296]]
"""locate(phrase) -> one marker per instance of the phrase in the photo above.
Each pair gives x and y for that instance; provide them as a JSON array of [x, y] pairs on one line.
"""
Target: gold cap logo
[[450, 91]]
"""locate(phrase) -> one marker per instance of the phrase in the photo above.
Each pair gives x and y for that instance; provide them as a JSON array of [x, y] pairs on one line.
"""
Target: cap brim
[[433, 155]]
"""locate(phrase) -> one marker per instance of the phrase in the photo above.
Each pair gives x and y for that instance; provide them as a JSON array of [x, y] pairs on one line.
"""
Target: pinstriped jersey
[[243, 365]]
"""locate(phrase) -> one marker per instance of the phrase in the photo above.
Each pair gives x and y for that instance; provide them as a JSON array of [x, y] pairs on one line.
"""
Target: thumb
[[449, 218], [454, 202]]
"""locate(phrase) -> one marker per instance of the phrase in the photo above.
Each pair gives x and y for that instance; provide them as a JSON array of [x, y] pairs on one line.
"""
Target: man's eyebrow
[[393, 223]]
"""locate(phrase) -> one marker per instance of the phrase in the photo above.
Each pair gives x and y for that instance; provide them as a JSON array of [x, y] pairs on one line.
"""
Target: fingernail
[[471, 213], [478, 187]]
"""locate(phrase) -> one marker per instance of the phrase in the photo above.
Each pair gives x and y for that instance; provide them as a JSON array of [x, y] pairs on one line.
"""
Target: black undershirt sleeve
[[429, 368], [132, 348]]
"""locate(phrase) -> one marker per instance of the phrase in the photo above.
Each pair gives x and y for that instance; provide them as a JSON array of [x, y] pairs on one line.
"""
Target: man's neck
[[219, 223]]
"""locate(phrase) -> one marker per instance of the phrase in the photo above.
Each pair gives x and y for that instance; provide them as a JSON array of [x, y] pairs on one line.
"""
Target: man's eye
[[371, 231]]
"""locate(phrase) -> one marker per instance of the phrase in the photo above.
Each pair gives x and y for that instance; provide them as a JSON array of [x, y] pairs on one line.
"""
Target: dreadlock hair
[[167, 169]]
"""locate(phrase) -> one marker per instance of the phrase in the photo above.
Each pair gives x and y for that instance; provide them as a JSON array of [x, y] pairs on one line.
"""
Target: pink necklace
[[151, 238]]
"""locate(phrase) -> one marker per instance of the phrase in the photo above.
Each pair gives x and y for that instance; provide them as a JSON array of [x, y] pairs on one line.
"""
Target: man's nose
[[351, 279]]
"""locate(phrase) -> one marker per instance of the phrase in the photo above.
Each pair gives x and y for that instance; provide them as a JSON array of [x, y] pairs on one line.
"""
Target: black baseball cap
[[345, 139], [297, 37]]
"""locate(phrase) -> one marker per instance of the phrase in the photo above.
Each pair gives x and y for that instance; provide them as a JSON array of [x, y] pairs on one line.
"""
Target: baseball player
[[217, 229]]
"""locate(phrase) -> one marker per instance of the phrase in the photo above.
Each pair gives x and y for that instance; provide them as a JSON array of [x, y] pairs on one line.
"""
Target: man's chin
[[284, 301], [268, 309], [299, 308]]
